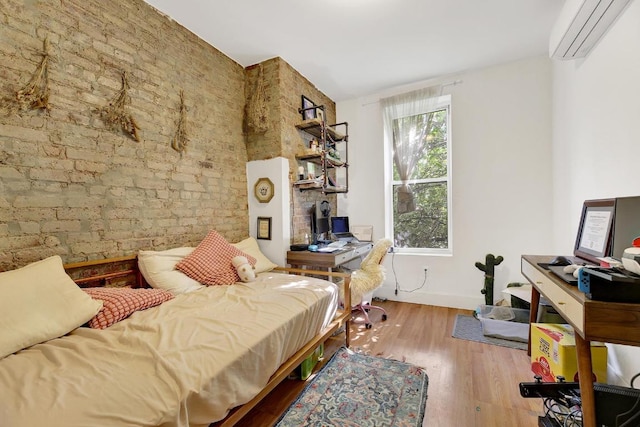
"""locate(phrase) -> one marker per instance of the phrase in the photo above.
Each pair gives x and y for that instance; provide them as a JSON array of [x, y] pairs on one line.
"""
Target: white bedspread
[[186, 362]]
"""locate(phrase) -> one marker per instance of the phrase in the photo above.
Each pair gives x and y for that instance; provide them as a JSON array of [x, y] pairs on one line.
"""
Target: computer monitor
[[594, 232], [607, 227], [322, 225], [339, 224], [319, 223]]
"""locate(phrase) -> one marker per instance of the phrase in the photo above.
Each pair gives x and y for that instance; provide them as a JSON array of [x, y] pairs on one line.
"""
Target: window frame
[[442, 102]]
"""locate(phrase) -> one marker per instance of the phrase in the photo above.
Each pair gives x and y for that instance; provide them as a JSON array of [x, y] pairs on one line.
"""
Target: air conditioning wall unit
[[581, 24]]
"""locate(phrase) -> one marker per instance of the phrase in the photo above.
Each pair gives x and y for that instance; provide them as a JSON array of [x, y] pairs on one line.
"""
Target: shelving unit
[[328, 139]]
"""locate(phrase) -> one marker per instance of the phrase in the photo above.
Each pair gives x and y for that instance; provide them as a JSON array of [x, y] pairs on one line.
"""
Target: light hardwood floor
[[470, 384]]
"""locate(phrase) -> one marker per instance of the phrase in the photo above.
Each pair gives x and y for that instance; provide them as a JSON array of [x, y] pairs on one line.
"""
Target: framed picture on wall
[[264, 190], [264, 228], [306, 110]]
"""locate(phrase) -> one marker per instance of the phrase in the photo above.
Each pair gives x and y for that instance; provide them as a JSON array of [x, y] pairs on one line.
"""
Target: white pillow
[[159, 270], [250, 246], [40, 302]]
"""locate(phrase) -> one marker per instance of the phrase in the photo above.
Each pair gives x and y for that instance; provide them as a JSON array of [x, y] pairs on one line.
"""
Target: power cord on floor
[[395, 276]]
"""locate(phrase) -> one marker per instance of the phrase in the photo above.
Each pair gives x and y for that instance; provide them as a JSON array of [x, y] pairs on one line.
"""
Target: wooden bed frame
[[124, 272]]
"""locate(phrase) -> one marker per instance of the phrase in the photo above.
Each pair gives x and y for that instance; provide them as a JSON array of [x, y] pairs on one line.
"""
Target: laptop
[[340, 229], [558, 270]]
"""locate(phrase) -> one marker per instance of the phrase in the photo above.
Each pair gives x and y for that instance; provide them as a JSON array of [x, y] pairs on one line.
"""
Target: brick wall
[[266, 145], [284, 87], [70, 186], [295, 142]]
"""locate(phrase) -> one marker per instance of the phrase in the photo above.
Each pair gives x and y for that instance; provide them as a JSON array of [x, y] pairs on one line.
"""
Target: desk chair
[[368, 278]]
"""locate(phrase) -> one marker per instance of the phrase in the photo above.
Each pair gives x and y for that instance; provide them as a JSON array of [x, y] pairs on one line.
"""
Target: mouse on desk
[[560, 261]]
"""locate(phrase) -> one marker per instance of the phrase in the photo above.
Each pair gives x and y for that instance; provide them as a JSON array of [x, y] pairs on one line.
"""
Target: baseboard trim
[[440, 300]]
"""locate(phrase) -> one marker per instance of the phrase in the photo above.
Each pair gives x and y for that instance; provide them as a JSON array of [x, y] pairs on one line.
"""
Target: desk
[[328, 260], [611, 322]]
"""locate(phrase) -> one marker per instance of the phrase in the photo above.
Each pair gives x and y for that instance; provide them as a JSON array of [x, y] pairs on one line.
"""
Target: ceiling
[[353, 48]]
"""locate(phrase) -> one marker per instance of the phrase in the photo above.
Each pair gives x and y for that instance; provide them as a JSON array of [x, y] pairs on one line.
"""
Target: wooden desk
[[328, 260], [611, 322]]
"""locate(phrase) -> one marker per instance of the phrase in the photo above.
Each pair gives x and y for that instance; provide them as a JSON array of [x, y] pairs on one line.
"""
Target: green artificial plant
[[489, 270]]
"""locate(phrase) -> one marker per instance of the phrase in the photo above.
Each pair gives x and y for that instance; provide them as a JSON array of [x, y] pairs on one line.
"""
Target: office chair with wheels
[[368, 278]]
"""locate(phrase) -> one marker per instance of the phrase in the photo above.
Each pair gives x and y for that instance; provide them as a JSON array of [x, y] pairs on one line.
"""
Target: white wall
[[501, 136], [596, 139], [278, 208]]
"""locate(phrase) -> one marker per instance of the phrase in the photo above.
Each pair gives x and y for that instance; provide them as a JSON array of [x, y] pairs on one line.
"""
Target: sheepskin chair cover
[[371, 273]]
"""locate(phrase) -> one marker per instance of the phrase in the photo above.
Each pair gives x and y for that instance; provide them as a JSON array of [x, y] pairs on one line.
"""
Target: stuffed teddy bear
[[244, 269]]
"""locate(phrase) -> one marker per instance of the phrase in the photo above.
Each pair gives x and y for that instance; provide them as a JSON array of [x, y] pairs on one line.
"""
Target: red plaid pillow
[[120, 303], [210, 262]]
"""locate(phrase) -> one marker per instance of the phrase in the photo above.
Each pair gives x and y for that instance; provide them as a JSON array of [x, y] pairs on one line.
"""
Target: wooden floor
[[470, 383]]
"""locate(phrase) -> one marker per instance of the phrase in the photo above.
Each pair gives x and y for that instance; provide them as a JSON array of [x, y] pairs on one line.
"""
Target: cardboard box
[[553, 353]]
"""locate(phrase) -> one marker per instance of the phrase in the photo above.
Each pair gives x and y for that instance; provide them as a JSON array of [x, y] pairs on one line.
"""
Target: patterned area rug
[[357, 390], [470, 328]]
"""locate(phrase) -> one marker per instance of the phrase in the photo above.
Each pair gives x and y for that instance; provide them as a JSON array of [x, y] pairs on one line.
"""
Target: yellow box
[[553, 353]]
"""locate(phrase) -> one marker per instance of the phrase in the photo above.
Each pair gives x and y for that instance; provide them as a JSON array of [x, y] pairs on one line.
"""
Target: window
[[418, 140]]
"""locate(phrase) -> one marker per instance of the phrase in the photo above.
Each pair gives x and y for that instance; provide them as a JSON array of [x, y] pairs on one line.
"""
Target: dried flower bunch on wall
[[180, 140], [116, 116], [35, 94], [257, 111]]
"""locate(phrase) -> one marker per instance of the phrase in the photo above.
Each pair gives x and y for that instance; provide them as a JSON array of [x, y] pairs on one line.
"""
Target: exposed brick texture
[[283, 139], [70, 186]]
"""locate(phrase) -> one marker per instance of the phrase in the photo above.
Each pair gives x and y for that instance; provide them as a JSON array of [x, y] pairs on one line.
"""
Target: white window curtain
[[408, 136]]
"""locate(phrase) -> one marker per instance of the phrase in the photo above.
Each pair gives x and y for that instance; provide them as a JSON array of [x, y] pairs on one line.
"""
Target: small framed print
[[320, 114], [263, 189], [264, 228], [307, 110]]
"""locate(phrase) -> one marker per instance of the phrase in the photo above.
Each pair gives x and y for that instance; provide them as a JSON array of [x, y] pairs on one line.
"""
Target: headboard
[[110, 272]]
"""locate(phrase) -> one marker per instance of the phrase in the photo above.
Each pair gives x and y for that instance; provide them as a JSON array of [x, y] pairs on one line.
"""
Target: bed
[[200, 358]]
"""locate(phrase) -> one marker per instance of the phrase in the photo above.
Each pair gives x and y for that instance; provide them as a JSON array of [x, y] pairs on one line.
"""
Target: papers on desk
[[333, 246], [329, 249]]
